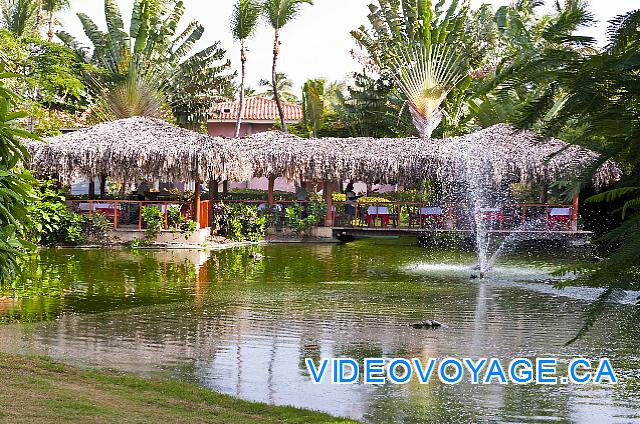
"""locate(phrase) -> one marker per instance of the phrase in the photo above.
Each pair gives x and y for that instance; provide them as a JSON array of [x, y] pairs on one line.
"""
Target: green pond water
[[243, 326]]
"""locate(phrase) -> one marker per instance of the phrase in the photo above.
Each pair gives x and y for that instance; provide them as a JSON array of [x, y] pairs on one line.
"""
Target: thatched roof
[[153, 149], [138, 148], [499, 151]]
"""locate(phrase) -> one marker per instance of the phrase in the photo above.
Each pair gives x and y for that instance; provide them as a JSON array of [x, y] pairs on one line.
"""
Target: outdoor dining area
[[138, 149], [412, 215]]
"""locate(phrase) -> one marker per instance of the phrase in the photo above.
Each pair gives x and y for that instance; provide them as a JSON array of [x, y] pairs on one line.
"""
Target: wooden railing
[[128, 212], [389, 214], [450, 217]]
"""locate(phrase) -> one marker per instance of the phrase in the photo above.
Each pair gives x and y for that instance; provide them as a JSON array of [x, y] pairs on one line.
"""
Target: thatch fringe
[[145, 148]]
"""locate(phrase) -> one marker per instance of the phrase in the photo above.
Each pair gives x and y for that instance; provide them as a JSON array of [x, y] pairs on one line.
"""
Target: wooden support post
[[115, 216], [213, 198], [327, 190], [197, 203], [139, 216], [92, 189], [216, 191], [166, 215], [574, 212], [103, 185], [544, 190], [270, 195], [225, 188]]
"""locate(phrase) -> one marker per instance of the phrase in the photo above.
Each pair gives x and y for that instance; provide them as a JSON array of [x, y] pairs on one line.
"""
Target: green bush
[[153, 217], [302, 218], [97, 225], [49, 221], [239, 221]]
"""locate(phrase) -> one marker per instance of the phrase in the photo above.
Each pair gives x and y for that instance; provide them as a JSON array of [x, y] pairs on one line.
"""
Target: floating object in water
[[257, 256], [429, 323]]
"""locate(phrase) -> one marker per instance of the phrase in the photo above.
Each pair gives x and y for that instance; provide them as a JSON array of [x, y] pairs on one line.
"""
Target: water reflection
[[244, 327]]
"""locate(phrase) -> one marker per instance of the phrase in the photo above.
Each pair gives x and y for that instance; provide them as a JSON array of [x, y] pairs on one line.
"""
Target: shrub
[[97, 225], [302, 218], [154, 219], [49, 222], [239, 221]]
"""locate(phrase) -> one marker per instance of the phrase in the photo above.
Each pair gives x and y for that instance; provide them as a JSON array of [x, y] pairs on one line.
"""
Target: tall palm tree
[[244, 20], [51, 7], [278, 14], [284, 88]]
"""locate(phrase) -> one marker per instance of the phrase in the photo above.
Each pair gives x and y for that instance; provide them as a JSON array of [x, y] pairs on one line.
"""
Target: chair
[[375, 212], [431, 212], [563, 215]]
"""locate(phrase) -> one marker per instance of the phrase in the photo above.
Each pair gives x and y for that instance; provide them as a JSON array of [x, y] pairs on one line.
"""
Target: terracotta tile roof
[[256, 109]]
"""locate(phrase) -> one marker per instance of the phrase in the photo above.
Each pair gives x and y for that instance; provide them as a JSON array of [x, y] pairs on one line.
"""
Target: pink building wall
[[228, 129]]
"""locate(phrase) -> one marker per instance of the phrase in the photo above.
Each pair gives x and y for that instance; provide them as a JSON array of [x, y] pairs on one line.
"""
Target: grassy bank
[[43, 391]]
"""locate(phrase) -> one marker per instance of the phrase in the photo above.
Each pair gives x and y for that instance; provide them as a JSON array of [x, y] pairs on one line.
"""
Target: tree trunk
[[38, 16], [425, 125], [243, 60], [50, 32], [276, 96]]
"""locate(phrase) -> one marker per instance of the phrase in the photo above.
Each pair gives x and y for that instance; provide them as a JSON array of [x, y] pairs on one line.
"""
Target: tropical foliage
[[284, 88], [151, 68], [418, 46], [52, 74], [15, 183], [19, 16], [241, 221]]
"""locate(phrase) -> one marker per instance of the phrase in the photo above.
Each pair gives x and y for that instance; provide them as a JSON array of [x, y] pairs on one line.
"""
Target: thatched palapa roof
[[138, 148], [499, 152], [147, 148]]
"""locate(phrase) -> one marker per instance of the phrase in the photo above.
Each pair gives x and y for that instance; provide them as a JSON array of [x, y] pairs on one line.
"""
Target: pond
[[243, 326]]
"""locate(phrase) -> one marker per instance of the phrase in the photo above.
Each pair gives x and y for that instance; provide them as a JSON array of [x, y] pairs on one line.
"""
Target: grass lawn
[[43, 391]]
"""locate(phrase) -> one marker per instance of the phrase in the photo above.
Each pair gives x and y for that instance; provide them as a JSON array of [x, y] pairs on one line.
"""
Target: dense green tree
[[278, 14], [53, 77], [152, 61], [313, 106], [593, 99], [14, 181], [244, 21], [502, 86]]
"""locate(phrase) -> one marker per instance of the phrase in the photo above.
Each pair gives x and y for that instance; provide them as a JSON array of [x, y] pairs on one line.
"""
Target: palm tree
[[279, 13], [244, 20], [284, 88], [52, 6], [418, 48], [19, 16], [160, 60]]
